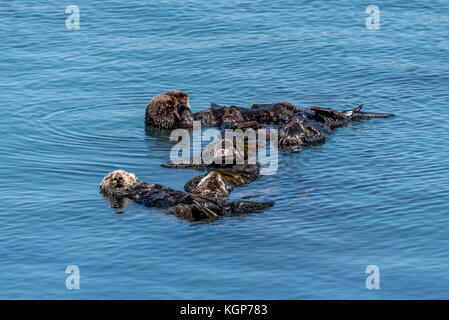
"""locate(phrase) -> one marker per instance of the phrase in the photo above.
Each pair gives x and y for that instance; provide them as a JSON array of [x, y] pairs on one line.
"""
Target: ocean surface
[[72, 109]]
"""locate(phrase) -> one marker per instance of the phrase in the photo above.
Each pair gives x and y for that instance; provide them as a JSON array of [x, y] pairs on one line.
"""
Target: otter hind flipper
[[371, 115], [356, 114], [359, 108]]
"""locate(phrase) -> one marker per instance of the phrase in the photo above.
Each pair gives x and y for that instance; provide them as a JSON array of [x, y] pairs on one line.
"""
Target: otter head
[[292, 135], [170, 110], [117, 181], [212, 186], [222, 152], [180, 109], [232, 114], [296, 134]]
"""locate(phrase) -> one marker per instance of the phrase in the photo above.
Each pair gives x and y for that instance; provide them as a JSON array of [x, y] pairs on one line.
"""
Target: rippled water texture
[[73, 104]]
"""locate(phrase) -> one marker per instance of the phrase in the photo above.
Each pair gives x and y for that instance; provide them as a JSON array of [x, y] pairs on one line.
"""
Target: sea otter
[[207, 201], [118, 182], [218, 115], [211, 205], [121, 184], [221, 153], [169, 110], [274, 113], [298, 134]]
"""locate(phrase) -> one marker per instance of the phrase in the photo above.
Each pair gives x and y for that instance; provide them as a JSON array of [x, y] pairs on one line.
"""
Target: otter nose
[[119, 178]]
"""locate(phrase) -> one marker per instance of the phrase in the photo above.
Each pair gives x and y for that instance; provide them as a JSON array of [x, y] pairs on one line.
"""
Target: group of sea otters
[[206, 196]]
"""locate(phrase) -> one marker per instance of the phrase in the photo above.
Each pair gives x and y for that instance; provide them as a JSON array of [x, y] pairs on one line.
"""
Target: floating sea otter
[[169, 110], [206, 200], [207, 194], [275, 113], [310, 126]]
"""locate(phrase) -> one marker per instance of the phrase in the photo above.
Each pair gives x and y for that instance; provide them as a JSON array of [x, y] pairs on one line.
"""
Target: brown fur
[[279, 112], [296, 134], [232, 114], [169, 110]]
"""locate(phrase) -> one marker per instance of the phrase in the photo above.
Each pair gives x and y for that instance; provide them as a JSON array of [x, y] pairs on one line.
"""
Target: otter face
[[118, 181], [180, 97], [180, 107], [212, 186], [222, 152], [169, 110]]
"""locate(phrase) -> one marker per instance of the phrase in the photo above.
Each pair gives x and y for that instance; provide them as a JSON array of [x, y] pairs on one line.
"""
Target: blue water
[[72, 110]]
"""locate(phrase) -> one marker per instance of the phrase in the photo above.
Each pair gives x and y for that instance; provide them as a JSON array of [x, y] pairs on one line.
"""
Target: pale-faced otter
[[198, 205], [169, 110], [121, 184], [222, 153], [118, 182]]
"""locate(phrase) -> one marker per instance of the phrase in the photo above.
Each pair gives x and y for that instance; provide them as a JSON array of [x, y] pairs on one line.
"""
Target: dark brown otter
[[206, 202], [211, 116], [210, 209], [169, 110], [298, 134], [280, 112], [274, 113]]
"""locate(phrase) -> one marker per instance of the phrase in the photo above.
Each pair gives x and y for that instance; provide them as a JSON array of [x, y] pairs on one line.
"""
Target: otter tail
[[356, 114]]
